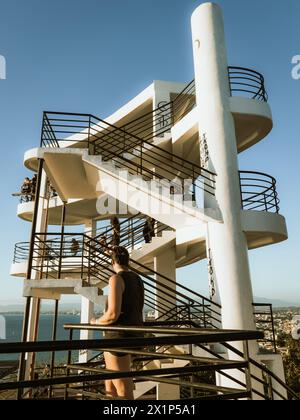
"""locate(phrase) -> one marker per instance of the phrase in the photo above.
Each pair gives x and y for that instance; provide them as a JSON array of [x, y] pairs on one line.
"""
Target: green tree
[[291, 361]]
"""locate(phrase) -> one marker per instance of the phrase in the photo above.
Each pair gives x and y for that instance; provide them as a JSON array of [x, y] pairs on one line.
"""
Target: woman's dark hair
[[120, 255]]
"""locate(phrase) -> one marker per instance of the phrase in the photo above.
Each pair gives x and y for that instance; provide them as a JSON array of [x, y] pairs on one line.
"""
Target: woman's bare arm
[[116, 288]]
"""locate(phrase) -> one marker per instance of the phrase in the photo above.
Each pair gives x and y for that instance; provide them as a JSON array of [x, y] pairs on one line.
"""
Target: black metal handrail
[[243, 81], [134, 139], [128, 151], [53, 254], [264, 319], [177, 302], [247, 82], [187, 336], [258, 192], [160, 121], [131, 235], [53, 257], [90, 375], [270, 376]]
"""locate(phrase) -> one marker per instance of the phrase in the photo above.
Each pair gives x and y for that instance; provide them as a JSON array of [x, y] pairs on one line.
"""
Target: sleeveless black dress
[[131, 309]]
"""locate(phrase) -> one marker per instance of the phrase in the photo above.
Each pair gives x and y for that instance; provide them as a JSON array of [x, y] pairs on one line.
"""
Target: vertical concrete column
[[227, 240], [165, 264], [87, 307], [87, 313], [35, 302]]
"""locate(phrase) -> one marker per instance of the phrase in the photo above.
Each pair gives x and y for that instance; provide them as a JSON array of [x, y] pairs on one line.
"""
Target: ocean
[[14, 324]]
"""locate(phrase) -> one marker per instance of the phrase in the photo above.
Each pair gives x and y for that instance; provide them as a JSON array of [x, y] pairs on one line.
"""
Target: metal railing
[[265, 384], [63, 386], [54, 257], [264, 319], [248, 83], [243, 81], [134, 139], [128, 151], [268, 380], [258, 192], [132, 235]]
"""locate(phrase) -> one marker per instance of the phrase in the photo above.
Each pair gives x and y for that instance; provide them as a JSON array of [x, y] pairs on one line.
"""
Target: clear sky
[[92, 56]]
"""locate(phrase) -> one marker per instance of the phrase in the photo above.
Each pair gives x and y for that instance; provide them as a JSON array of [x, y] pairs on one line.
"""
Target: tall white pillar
[[165, 264], [87, 307], [228, 244], [227, 240]]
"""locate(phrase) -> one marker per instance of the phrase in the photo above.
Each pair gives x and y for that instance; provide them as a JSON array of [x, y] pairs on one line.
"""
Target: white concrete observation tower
[[166, 166]]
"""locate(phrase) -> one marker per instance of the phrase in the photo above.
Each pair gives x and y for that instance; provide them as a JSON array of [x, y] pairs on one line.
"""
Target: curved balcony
[[258, 191], [248, 83], [261, 221], [249, 107]]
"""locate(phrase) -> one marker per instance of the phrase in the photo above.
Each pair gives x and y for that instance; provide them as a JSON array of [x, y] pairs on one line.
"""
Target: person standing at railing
[[74, 247], [149, 230], [52, 191], [116, 228], [124, 308], [26, 189], [33, 187]]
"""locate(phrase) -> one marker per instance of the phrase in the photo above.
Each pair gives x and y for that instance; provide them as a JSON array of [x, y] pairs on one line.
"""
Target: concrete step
[[93, 294]]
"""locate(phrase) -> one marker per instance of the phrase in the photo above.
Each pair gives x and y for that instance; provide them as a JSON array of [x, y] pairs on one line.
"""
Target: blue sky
[[92, 56]]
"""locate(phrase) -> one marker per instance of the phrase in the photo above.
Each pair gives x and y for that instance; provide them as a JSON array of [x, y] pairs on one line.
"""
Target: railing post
[[42, 130], [273, 329], [172, 113], [124, 139], [54, 331], [229, 81], [141, 158], [63, 217], [194, 185], [266, 202], [69, 360], [204, 312], [82, 257], [89, 251], [241, 190], [248, 369], [132, 234], [270, 388], [89, 137], [275, 196]]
